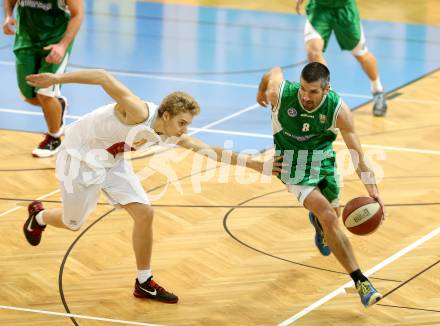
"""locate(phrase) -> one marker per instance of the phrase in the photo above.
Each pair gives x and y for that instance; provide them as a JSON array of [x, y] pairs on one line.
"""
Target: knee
[[43, 98], [360, 58], [328, 219], [145, 215], [360, 52], [149, 213], [314, 55], [32, 100]]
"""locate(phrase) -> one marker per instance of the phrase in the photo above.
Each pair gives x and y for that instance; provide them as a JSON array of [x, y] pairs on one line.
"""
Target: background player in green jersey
[[342, 17], [306, 117], [43, 41]]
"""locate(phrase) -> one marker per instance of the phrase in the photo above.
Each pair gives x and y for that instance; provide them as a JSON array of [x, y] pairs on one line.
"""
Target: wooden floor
[[272, 275], [235, 254], [401, 11]]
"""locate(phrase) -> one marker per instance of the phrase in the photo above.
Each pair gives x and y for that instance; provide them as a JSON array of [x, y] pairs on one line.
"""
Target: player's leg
[[145, 287], [336, 239], [53, 217], [77, 205], [26, 63], [54, 107], [340, 245], [33, 101], [142, 238], [78, 201], [314, 44], [301, 192], [314, 48], [51, 107], [124, 189], [328, 195], [317, 31], [350, 36], [369, 65]]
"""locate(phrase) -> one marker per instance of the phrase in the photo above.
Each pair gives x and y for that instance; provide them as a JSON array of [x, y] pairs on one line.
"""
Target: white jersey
[[99, 138]]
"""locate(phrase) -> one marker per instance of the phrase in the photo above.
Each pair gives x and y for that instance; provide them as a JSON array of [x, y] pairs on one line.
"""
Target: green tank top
[[40, 22], [305, 137], [330, 3]]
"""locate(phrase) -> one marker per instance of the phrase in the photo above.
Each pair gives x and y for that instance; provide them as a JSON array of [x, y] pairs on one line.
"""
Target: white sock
[[376, 86], [57, 134], [144, 275], [39, 218]]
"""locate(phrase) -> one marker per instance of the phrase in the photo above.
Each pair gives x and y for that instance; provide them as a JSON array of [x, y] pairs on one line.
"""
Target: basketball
[[362, 215]]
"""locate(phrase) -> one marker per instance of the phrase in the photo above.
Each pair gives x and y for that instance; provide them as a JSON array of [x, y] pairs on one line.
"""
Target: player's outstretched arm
[[273, 166], [131, 109], [269, 87], [345, 123]]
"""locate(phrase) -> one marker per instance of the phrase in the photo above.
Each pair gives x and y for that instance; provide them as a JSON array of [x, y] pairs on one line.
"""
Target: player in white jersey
[[92, 159]]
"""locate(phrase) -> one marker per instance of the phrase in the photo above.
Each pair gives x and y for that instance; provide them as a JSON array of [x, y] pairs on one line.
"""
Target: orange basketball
[[362, 215]]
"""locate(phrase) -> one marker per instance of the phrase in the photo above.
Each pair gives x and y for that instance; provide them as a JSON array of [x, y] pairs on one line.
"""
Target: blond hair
[[178, 102]]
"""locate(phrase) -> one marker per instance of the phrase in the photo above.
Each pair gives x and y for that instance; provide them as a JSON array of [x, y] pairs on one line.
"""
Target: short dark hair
[[315, 71]]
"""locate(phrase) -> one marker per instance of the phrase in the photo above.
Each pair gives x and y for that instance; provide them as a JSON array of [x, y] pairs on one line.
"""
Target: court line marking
[[205, 128], [341, 289], [220, 83], [47, 312], [157, 77], [388, 148], [18, 207], [397, 149], [249, 134], [234, 133], [38, 113]]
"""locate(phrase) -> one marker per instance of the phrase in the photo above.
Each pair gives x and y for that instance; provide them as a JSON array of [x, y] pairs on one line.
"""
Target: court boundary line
[[228, 117], [64, 314], [249, 134], [242, 85], [341, 289], [18, 207], [408, 83]]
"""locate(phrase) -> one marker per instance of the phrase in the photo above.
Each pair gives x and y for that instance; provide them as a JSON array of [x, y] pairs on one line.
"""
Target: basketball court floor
[[236, 251]]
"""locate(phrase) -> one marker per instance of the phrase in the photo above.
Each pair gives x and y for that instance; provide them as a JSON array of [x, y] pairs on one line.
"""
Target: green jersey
[[305, 137], [330, 3], [40, 23]]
